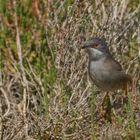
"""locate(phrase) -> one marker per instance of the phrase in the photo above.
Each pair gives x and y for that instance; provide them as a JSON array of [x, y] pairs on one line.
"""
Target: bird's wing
[[117, 65], [118, 73], [112, 64]]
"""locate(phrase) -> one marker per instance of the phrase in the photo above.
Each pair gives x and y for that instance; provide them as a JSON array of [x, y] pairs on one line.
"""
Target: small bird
[[104, 70], [106, 73]]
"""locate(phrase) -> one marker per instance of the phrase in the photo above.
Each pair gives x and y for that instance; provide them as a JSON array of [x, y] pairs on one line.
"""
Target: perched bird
[[106, 73], [104, 70]]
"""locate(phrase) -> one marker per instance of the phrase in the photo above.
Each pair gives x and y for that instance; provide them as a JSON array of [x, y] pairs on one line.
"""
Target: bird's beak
[[85, 46]]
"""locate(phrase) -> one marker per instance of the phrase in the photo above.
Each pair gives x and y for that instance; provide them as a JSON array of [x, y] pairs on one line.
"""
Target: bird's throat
[[95, 54]]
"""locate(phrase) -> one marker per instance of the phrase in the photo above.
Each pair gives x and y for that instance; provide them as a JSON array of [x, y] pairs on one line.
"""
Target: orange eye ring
[[95, 46]]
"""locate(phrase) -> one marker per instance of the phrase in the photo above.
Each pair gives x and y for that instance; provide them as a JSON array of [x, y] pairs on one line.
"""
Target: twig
[[25, 83], [7, 101]]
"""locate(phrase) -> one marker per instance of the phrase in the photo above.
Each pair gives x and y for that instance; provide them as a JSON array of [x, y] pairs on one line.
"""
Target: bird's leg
[[125, 89], [111, 102], [108, 108], [125, 93], [102, 108], [104, 99], [107, 101]]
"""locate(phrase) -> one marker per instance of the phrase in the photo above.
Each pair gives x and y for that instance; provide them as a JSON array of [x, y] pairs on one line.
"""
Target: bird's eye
[[95, 46]]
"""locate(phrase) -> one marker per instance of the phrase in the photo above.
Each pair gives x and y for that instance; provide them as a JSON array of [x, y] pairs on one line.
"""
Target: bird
[[105, 72]]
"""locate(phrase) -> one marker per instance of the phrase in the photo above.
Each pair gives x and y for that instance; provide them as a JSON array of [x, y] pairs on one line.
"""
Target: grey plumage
[[104, 71]]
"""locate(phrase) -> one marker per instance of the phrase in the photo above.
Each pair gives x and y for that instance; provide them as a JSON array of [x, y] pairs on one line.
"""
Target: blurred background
[[45, 91]]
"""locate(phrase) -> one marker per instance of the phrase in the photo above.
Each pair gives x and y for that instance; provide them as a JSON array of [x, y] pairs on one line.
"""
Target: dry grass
[[45, 92]]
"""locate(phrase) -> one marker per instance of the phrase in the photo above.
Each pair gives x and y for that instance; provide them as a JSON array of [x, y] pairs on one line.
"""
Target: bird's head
[[96, 48]]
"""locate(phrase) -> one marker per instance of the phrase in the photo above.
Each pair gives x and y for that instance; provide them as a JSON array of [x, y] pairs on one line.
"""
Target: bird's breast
[[102, 76], [97, 72]]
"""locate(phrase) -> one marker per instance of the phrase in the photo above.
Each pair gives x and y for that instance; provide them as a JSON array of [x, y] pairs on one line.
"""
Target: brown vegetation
[[45, 92]]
